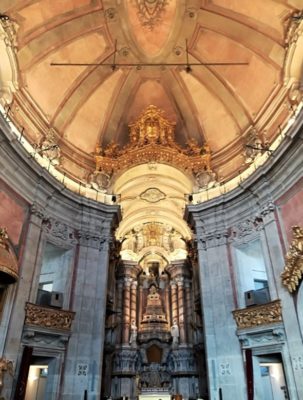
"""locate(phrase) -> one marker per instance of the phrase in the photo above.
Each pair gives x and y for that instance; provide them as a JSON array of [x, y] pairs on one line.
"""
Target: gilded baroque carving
[[46, 317], [8, 260], [259, 315], [153, 234], [152, 141], [293, 270], [150, 11]]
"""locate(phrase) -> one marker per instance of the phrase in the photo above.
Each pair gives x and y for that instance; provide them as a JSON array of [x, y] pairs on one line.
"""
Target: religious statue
[[133, 333], [174, 330]]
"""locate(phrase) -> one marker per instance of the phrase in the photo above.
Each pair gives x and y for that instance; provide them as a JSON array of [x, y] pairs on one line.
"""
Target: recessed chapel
[[151, 199]]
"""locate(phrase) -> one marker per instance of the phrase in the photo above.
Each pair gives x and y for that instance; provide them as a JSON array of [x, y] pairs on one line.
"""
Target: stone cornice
[[256, 195], [30, 175]]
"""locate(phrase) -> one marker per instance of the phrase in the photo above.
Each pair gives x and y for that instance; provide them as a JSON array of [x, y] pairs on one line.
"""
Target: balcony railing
[[263, 314], [48, 317]]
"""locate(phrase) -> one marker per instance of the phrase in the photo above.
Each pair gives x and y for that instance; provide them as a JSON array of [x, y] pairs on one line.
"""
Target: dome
[[88, 69]]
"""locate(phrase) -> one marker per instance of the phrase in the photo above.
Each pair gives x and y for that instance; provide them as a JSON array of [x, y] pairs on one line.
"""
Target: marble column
[[133, 302], [118, 316], [223, 357], [181, 309], [126, 311], [174, 302], [189, 311], [33, 250], [293, 370], [140, 311], [83, 364]]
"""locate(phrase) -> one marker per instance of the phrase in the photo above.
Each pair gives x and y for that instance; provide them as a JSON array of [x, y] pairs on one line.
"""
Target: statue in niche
[[133, 334], [174, 330]]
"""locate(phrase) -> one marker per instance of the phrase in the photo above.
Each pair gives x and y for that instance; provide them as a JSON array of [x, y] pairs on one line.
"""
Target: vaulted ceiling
[[90, 105]]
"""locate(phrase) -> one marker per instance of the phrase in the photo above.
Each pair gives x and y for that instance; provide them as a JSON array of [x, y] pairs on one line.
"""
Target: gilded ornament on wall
[[152, 140], [46, 317], [263, 314], [8, 261], [293, 270]]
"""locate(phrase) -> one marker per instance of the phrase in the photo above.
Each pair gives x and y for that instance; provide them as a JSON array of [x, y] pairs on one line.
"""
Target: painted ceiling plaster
[[86, 106]]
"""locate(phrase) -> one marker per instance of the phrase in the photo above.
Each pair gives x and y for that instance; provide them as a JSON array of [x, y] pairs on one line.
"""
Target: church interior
[[151, 199]]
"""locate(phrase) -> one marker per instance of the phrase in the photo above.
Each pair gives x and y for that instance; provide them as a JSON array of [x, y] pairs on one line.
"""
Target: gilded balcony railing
[[263, 314], [48, 317]]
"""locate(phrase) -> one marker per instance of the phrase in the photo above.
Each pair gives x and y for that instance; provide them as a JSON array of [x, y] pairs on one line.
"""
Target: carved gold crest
[[152, 141], [293, 269]]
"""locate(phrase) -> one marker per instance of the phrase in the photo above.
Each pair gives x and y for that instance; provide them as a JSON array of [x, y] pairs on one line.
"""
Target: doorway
[[36, 382], [272, 379]]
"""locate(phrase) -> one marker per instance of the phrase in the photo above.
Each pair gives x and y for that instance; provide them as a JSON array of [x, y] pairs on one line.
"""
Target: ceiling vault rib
[[236, 111], [250, 22], [185, 105], [74, 102], [80, 80], [115, 99], [50, 41], [245, 35], [128, 86], [57, 21]]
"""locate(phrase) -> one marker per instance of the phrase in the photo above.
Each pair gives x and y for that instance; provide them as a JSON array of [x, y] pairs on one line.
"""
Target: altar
[[156, 395]]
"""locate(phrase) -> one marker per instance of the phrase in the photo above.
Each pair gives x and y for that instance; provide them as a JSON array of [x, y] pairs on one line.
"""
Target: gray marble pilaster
[[83, 363], [223, 353]]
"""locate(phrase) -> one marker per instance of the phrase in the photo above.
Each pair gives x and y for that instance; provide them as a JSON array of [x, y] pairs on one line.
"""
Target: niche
[[154, 354]]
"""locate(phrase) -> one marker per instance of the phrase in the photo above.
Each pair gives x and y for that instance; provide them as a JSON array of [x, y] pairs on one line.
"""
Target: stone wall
[[263, 208], [38, 210]]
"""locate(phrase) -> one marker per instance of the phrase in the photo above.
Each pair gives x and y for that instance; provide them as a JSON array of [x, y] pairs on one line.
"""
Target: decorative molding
[[93, 240], [9, 64], [59, 230], [246, 228], [152, 140], [224, 368], [46, 317], [40, 336], [293, 270], [49, 148], [298, 362], [150, 12], [38, 211], [152, 195], [258, 315], [213, 239], [262, 336]]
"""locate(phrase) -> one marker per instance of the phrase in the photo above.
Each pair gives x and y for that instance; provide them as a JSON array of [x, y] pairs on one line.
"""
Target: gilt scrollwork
[[152, 140], [46, 317], [263, 314], [293, 270]]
